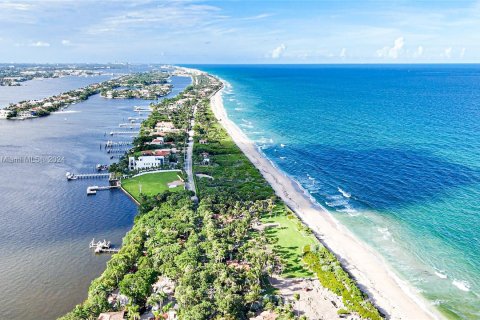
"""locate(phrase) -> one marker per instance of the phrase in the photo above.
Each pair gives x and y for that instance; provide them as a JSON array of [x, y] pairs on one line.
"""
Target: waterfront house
[[158, 152], [165, 126], [157, 141], [145, 162]]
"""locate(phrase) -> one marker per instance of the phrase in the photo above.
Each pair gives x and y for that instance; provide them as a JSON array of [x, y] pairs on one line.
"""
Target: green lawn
[[151, 184], [288, 241]]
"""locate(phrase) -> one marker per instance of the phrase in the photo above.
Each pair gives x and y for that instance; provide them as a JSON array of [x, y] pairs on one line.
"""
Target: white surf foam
[[441, 274], [462, 285], [385, 233], [337, 203], [344, 193]]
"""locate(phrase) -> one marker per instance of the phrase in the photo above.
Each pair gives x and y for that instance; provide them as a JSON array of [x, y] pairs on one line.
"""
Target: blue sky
[[331, 31]]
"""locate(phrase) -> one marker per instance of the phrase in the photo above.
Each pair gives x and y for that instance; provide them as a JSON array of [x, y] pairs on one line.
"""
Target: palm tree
[[133, 312]]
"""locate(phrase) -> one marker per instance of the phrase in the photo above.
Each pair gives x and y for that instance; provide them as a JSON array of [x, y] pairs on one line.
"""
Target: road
[[188, 159]]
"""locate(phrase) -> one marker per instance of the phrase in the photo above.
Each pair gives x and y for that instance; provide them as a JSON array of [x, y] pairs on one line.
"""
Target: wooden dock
[[129, 125], [104, 250], [136, 118], [102, 247], [118, 150], [92, 190], [112, 144], [74, 176], [123, 132]]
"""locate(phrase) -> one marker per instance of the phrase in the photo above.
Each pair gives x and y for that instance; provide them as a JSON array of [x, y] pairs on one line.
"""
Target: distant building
[[25, 114], [5, 113]]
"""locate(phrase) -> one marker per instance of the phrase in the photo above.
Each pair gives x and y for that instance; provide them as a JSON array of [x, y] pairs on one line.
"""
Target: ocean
[[47, 222], [392, 151]]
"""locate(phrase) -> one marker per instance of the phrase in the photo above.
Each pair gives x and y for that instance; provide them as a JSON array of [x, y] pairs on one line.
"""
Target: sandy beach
[[394, 298]]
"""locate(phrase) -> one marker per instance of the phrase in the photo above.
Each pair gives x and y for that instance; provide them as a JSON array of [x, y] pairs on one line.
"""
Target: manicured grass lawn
[[152, 184], [289, 241]]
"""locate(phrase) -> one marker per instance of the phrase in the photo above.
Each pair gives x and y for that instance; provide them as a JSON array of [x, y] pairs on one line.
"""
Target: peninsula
[[230, 236], [148, 86]]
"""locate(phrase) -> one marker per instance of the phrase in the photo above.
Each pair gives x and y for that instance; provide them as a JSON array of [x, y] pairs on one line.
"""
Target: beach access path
[[391, 295]]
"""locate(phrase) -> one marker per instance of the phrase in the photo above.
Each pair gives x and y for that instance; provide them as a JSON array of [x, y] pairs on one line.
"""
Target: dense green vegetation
[[151, 184], [234, 175], [220, 251], [333, 277]]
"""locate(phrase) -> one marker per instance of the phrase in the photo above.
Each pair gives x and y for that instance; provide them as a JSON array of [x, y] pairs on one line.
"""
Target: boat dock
[[111, 144], [102, 247], [140, 109], [73, 176], [92, 190], [117, 150], [129, 125], [136, 118], [123, 132]]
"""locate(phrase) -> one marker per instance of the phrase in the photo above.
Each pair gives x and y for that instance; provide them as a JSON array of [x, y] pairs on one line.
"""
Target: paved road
[[188, 160]]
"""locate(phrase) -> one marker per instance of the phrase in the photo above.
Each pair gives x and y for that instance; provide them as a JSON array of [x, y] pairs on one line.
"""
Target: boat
[[102, 167], [99, 246], [71, 176]]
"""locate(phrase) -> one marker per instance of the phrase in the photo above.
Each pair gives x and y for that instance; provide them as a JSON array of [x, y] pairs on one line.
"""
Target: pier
[[123, 132], [117, 150], [129, 125], [73, 176], [110, 143], [92, 190], [136, 118], [102, 247]]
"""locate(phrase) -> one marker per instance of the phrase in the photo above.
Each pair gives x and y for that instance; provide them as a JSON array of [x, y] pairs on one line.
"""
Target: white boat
[[71, 176]]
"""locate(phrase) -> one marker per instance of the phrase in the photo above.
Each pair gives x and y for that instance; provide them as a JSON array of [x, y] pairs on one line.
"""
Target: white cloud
[[418, 52], [448, 53], [178, 15], [15, 6], [392, 52], [39, 44], [278, 51], [66, 42], [462, 52], [343, 53], [258, 16]]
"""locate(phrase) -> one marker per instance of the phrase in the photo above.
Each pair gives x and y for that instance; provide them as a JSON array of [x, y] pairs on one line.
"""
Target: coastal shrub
[[306, 248], [332, 276]]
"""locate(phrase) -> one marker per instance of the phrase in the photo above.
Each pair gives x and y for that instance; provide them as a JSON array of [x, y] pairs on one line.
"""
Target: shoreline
[[394, 297]]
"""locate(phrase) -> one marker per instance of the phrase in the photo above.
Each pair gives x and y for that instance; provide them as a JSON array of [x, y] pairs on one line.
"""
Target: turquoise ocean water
[[393, 152]]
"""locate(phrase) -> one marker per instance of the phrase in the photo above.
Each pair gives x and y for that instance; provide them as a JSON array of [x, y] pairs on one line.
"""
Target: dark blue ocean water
[[392, 151], [47, 222]]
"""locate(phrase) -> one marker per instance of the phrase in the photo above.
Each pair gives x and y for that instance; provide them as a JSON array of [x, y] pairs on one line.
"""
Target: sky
[[195, 32]]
